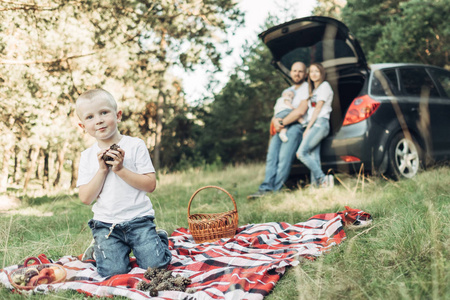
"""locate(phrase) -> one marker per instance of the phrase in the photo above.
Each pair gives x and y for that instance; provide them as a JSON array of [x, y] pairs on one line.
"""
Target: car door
[[433, 117], [440, 111]]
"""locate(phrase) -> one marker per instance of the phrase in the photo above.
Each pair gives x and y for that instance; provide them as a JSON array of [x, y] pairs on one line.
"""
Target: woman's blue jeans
[[309, 150], [279, 158], [113, 245]]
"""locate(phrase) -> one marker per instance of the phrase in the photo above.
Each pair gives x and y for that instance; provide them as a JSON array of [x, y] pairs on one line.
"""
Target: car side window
[[391, 74], [443, 78], [417, 82], [384, 83]]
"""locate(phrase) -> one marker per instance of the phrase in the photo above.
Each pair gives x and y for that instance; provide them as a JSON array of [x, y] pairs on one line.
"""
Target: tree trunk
[[17, 166], [159, 117], [5, 169], [60, 163], [75, 164], [33, 155], [45, 179], [160, 102], [40, 164], [8, 142]]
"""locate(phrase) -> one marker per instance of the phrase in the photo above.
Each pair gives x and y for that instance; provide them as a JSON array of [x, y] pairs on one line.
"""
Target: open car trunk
[[329, 42], [346, 88]]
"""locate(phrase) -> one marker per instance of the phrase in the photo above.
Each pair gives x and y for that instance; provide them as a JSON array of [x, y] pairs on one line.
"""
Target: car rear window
[[443, 78], [417, 82], [318, 52]]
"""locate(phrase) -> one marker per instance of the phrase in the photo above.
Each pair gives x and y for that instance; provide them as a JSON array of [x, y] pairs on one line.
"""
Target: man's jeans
[[309, 150], [279, 158], [113, 245]]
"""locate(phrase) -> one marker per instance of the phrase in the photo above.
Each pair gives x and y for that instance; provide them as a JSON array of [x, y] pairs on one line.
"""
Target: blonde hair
[[323, 75], [96, 94]]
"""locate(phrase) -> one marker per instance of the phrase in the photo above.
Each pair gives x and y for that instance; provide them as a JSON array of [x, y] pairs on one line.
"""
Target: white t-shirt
[[118, 201], [323, 93], [301, 93]]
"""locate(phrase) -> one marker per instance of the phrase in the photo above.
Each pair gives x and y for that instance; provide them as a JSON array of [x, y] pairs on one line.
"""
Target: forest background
[[52, 51]]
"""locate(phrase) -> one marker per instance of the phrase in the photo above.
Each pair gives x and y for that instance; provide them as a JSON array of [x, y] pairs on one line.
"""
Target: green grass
[[404, 254]]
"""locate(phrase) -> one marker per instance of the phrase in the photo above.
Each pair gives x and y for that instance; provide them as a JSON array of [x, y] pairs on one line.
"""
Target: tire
[[405, 157]]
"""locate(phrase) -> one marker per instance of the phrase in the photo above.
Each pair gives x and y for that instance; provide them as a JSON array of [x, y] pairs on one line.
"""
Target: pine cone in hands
[[108, 158]]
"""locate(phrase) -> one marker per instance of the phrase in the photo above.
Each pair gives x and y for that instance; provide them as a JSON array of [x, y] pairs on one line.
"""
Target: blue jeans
[[283, 114], [113, 245], [279, 158], [309, 150]]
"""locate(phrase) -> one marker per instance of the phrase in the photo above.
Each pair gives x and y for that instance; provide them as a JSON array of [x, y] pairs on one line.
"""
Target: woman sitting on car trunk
[[318, 115]]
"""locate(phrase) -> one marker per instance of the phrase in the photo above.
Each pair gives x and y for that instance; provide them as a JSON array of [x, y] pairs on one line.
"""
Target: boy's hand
[[101, 162], [117, 156]]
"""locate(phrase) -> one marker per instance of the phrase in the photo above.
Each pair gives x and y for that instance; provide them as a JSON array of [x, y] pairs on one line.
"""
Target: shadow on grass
[[45, 199]]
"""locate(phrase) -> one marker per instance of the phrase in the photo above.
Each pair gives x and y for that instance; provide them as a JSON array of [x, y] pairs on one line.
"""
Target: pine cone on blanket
[[151, 273], [164, 286], [181, 281], [167, 275], [162, 280], [143, 285], [154, 292], [109, 158]]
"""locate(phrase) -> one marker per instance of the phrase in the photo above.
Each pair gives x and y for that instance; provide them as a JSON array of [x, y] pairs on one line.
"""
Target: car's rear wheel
[[405, 156]]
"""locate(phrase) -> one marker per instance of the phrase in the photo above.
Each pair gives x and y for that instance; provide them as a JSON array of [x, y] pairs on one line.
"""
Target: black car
[[391, 118]]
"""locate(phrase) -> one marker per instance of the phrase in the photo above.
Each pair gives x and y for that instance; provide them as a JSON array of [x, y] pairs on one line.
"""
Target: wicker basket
[[207, 228], [58, 271]]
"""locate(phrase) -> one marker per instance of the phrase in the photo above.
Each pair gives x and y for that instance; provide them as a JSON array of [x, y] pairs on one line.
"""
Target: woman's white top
[[323, 93]]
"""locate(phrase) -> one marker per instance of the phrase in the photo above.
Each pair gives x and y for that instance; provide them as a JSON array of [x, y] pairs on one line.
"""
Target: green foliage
[[52, 51], [237, 124], [329, 8], [420, 33], [366, 19], [178, 146], [401, 30]]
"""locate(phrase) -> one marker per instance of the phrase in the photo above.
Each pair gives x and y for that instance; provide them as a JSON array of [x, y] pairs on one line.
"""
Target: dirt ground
[[10, 205]]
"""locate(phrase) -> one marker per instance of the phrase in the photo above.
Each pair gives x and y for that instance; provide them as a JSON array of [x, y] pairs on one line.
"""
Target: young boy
[[283, 106], [123, 214]]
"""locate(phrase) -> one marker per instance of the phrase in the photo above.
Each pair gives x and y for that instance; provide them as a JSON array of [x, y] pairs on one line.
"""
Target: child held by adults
[[283, 106], [117, 180]]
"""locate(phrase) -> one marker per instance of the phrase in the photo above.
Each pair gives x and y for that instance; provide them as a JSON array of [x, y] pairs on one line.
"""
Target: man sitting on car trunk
[[280, 155]]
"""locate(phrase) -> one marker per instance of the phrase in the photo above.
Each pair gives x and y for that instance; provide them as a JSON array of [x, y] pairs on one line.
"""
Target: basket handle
[[206, 187], [32, 258]]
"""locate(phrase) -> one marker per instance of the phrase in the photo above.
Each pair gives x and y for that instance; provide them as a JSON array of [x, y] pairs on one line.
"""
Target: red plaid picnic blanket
[[247, 266]]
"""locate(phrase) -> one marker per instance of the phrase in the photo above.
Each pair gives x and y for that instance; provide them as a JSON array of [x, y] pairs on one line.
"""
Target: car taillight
[[349, 158], [360, 109]]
